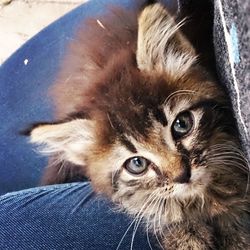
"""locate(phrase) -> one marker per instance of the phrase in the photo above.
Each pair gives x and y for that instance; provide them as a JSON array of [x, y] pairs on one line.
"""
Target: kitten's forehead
[[130, 101], [140, 119], [175, 106], [146, 129]]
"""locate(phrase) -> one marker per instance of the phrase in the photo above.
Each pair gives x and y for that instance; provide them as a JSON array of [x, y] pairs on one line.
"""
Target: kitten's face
[[158, 135], [160, 153]]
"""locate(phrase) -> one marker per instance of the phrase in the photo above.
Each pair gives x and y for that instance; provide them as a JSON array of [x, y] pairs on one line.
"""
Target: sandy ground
[[22, 19]]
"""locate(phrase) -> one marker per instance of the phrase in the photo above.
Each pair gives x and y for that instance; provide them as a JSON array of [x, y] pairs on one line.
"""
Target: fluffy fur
[[125, 81]]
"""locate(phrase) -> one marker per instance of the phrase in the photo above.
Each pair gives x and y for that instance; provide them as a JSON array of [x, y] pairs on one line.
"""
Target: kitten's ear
[[72, 140], [161, 46]]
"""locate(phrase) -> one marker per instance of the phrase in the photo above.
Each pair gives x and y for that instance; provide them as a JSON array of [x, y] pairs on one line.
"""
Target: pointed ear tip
[[150, 2], [152, 5], [27, 131], [150, 11]]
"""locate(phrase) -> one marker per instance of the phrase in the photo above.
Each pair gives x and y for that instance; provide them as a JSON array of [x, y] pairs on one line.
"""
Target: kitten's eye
[[182, 125], [137, 165]]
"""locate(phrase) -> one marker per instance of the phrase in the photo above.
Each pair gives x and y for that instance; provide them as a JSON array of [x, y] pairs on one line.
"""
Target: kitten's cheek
[[196, 187], [200, 176]]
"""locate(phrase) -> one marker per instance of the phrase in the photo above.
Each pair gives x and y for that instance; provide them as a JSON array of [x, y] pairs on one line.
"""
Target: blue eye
[[182, 125], [137, 165]]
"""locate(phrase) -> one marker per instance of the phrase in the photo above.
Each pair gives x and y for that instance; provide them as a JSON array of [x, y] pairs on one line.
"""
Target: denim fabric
[[68, 216]]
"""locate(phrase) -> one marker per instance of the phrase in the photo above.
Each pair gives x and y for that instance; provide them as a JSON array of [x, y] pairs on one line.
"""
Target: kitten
[[151, 129]]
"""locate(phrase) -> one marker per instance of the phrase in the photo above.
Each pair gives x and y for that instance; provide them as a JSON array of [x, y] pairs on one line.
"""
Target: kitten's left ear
[[161, 46], [72, 140]]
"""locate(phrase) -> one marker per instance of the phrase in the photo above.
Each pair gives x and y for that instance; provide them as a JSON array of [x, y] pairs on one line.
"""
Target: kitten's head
[[153, 130]]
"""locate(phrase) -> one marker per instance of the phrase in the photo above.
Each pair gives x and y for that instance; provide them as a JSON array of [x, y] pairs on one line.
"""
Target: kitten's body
[[122, 91]]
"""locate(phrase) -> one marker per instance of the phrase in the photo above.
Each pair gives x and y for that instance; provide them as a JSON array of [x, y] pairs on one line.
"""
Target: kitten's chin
[[194, 188]]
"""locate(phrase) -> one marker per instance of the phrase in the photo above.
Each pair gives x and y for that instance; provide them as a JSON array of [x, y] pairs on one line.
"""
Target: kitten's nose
[[184, 167], [184, 176]]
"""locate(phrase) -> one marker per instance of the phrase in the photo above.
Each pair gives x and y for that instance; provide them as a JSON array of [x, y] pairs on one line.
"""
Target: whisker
[[228, 163], [82, 200], [229, 154], [148, 240], [136, 226], [161, 214], [147, 225], [159, 217], [130, 225], [178, 92], [149, 202], [134, 220]]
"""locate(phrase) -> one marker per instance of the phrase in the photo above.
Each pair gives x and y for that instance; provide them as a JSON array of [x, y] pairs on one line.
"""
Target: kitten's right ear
[[160, 45], [72, 139]]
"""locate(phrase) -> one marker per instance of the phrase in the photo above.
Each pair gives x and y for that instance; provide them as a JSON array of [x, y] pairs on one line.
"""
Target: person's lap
[[67, 216]]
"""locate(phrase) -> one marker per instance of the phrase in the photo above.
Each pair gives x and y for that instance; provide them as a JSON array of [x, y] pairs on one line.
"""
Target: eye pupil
[[136, 165], [137, 162], [182, 125]]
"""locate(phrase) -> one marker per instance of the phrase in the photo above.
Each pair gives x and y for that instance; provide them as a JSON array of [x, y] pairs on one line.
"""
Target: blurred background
[[22, 19]]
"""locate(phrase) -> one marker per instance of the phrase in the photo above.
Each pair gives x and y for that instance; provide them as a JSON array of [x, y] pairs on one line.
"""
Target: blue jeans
[[67, 216]]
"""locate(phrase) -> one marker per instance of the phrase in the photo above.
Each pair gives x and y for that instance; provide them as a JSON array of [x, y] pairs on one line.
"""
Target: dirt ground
[[22, 19]]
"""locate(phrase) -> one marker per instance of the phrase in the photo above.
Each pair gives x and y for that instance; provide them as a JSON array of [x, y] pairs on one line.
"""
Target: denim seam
[[36, 190]]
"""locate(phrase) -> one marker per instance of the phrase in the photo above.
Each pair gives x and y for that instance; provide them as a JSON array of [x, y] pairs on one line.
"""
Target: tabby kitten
[[152, 130]]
